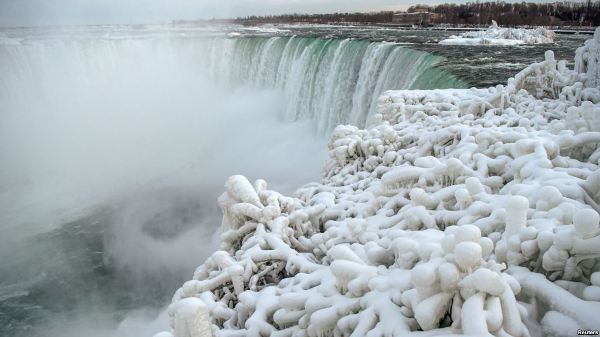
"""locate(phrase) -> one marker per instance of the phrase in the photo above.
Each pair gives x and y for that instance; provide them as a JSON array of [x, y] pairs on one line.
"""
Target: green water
[[333, 81]]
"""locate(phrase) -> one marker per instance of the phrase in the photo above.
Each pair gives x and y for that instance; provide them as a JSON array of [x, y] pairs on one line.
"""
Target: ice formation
[[495, 35], [459, 212]]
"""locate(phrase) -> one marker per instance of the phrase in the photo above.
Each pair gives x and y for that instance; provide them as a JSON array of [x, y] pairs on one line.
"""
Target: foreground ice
[[495, 35], [461, 212]]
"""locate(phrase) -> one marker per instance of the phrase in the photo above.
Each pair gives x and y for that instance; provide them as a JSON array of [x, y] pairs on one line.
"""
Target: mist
[[124, 144]]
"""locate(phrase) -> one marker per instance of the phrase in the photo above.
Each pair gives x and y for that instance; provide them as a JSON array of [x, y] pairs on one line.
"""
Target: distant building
[[414, 18]]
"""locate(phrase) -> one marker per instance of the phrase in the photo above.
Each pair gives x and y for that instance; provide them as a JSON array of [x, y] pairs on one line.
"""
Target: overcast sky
[[44, 12], [68, 12]]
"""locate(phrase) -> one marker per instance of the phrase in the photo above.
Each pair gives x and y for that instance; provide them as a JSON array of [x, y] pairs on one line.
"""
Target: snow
[[495, 35], [464, 40], [190, 318], [457, 212], [266, 29], [586, 223]]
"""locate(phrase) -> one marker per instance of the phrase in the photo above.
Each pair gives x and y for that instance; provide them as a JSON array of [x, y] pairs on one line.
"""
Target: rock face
[[459, 212]]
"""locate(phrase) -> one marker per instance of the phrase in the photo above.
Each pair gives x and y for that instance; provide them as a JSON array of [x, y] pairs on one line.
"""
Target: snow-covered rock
[[458, 212], [587, 61], [495, 35]]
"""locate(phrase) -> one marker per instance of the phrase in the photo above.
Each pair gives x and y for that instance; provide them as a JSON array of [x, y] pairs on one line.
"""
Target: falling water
[[331, 81], [114, 146]]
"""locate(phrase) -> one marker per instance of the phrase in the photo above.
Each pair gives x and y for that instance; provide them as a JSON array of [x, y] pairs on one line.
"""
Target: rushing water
[[479, 66], [331, 81], [115, 142]]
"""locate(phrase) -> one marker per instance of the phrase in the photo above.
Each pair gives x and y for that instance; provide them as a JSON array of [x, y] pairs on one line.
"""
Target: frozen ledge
[[495, 35], [417, 218]]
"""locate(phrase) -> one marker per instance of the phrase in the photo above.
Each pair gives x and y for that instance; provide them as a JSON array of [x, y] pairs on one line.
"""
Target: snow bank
[[460, 212], [495, 35]]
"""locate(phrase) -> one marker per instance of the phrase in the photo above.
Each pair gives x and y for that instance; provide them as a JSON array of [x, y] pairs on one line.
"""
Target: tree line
[[518, 14], [375, 17], [565, 13]]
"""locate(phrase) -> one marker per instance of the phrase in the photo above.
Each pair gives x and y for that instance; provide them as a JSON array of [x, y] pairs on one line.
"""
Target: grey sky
[[44, 12], [53, 12]]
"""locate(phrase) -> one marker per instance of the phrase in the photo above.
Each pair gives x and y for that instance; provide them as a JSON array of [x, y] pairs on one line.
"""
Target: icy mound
[[495, 35], [461, 212]]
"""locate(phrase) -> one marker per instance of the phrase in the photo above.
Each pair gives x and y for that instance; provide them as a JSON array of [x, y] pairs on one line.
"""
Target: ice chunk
[[495, 35], [190, 318]]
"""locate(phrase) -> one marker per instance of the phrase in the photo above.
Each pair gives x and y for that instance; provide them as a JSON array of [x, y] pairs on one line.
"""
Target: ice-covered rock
[[587, 60], [458, 212], [495, 35]]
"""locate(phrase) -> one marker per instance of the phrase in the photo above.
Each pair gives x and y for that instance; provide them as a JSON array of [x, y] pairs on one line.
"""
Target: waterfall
[[331, 81], [149, 124]]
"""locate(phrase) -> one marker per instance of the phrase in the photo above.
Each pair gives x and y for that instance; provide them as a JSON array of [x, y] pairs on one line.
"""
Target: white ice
[[495, 35], [458, 212]]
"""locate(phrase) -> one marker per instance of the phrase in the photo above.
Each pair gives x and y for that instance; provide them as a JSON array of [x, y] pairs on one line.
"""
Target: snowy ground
[[495, 35], [460, 212]]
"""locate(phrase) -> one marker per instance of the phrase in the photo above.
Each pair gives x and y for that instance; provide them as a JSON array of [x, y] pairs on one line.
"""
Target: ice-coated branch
[[470, 212]]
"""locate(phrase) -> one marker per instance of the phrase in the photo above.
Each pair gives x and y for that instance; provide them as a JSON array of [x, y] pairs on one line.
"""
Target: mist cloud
[[135, 126]]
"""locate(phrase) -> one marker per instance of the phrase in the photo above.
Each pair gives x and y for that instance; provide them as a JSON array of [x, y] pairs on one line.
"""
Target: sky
[[76, 12], [67, 12]]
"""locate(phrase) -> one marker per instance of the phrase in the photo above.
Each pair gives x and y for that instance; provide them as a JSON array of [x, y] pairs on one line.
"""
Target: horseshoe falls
[[115, 142], [330, 81]]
